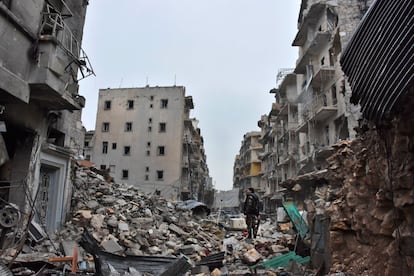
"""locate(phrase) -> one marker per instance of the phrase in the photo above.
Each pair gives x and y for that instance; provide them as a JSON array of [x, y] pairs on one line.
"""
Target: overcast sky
[[225, 52]]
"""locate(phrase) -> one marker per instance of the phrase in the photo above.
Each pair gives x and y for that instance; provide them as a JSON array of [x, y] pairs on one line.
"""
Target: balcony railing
[[53, 26]]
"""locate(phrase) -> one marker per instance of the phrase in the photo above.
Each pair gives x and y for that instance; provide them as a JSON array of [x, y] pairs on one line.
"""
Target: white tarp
[[226, 199]]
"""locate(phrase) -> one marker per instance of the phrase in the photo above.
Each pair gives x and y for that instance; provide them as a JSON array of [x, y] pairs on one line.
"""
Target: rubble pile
[[372, 214], [123, 220]]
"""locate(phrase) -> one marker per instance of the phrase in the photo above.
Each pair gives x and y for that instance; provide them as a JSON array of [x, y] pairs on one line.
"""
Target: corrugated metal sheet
[[282, 261], [379, 59], [296, 219], [147, 265]]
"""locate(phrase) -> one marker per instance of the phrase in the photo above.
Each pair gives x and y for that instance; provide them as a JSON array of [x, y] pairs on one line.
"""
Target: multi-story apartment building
[[279, 139], [312, 110], [195, 173], [247, 165], [325, 113], [145, 137], [88, 144], [40, 108]]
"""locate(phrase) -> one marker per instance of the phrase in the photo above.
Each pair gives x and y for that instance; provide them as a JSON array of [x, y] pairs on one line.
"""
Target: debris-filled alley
[[325, 186]]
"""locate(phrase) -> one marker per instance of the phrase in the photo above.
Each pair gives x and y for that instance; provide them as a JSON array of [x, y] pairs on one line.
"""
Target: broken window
[[104, 147], [333, 94], [86, 144], [163, 127], [128, 126], [127, 150], [105, 126], [125, 174], [88, 157], [103, 167], [161, 150], [332, 18], [164, 103], [113, 146], [160, 175], [107, 105], [130, 104]]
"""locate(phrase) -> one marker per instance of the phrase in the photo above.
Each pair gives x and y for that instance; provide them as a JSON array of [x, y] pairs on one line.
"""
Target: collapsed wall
[[372, 214]]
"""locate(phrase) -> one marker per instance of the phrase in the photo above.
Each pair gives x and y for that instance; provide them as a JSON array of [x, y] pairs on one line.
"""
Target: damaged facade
[[145, 137], [342, 148], [40, 117], [247, 165], [312, 109]]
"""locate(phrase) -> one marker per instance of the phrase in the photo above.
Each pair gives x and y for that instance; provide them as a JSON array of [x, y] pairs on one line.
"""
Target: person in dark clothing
[[251, 211]]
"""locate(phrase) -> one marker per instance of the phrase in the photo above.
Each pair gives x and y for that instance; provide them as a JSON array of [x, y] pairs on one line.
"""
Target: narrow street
[[322, 183]]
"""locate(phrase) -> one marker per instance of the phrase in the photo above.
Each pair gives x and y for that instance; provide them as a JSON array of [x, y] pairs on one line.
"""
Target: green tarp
[[282, 261], [296, 218]]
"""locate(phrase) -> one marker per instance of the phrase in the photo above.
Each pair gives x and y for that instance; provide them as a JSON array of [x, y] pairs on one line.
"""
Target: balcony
[[323, 75], [302, 127], [316, 45], [53, 84], [275, 109], [309, 23], [320, 110]]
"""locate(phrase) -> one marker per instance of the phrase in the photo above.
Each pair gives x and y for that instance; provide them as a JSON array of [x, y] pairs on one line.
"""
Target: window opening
[[107, 105], [161, 150], [160, 175], [130, 104], [164, 103], [128, 126], [163, 127], [104, 147], [105, 127], [125, 174]]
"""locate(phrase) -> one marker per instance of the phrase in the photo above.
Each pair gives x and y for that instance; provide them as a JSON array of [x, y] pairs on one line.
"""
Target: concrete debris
[[127, 223]]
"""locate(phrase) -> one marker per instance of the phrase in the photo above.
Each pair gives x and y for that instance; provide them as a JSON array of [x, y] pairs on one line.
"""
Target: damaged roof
[[379, 59]]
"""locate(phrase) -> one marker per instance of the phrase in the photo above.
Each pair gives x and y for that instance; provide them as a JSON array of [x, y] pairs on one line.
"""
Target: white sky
[[225, 52]]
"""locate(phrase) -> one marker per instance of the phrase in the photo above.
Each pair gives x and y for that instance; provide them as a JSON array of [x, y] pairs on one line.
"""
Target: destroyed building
[[145, 137], [41, 62], [372, 229], [247, 165], [312, 109], [358, 191]]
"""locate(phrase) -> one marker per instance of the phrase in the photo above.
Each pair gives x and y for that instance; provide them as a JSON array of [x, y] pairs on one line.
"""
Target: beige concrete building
[[145, 137], [40, 108]]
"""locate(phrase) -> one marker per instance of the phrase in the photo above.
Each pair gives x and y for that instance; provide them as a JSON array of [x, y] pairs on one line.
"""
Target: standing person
[[251, 211]]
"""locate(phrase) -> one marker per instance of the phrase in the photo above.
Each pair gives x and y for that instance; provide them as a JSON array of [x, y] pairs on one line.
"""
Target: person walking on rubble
[[251, 211]]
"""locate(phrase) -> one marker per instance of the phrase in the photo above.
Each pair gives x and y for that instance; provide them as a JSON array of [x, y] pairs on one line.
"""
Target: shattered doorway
[[44, 203], [51, 190]]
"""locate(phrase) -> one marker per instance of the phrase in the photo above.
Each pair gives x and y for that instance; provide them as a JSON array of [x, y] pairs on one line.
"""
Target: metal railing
[[53, 25]]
